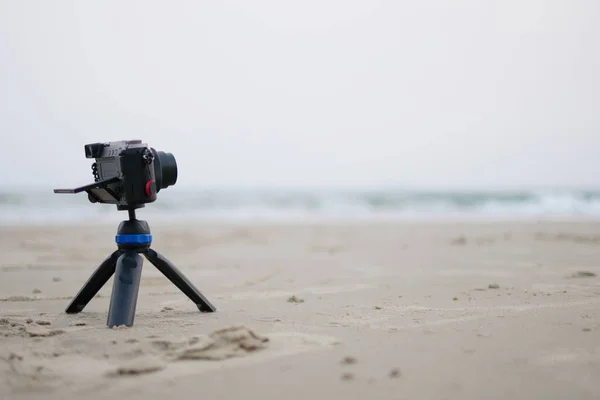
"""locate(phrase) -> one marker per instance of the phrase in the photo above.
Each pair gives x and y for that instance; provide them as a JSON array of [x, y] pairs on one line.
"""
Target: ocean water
[[35, 206]]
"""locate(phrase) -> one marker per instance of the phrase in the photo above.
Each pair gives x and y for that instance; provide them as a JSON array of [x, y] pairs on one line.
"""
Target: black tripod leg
[[126, 286], [179, 280], [94, 283]]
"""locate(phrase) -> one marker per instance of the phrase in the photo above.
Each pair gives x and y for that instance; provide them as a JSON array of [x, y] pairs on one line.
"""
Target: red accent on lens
[[149, 191]]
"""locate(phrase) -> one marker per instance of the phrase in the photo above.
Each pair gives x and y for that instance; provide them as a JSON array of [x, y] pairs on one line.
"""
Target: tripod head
[[133, 234]]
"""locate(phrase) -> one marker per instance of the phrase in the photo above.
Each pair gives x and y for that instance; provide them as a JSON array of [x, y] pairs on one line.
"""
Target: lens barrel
[[165, 169]]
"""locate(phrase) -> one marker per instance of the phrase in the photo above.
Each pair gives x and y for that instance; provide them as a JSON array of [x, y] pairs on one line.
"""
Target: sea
[[26, 206]]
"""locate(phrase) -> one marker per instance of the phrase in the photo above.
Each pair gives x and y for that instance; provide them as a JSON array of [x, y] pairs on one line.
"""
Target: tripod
[[133, 238]]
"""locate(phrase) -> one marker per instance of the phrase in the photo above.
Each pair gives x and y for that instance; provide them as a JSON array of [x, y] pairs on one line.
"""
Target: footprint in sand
[[222, 344], [225, 343]]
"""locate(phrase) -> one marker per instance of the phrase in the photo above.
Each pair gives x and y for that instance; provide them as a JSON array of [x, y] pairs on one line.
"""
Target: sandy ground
[[344, 311]]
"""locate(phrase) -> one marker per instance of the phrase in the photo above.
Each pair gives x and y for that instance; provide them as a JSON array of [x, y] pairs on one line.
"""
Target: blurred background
[[324, 108]]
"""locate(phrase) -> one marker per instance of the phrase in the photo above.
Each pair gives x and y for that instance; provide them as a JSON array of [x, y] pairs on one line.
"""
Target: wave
[[44, 205]]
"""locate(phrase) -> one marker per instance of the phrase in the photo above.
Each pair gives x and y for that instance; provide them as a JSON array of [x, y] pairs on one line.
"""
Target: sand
[[322, 311]]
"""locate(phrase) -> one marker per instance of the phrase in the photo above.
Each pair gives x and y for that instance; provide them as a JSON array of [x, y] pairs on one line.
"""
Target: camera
[[127, 173]]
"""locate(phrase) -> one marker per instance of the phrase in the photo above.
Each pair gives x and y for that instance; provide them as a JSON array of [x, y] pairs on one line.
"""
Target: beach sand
[[400, 310]]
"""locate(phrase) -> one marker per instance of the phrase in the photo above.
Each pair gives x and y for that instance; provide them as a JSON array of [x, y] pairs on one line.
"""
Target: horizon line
[[340, 187]]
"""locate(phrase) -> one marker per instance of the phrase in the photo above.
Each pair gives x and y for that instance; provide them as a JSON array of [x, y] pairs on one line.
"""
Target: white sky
[[314, 92]]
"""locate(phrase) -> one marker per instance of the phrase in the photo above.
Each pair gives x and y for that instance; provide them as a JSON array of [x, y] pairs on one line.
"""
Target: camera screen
[[102, 194]]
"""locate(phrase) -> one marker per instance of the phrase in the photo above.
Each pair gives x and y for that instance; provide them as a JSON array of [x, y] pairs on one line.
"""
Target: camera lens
[[165, 169]]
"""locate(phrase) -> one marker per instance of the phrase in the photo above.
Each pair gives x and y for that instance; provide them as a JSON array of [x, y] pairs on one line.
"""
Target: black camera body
[[127, 173]]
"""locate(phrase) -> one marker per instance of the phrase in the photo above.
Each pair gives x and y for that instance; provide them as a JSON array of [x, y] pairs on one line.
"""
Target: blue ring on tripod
[[134, 239]]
